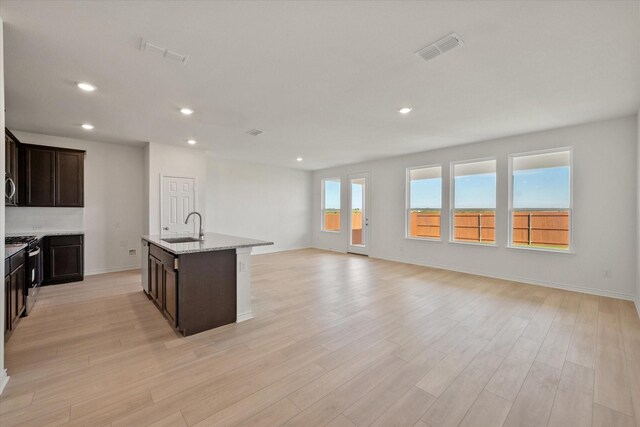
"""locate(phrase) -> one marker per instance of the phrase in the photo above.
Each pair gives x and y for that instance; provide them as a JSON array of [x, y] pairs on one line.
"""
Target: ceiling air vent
[[443, 45], [171, 55], [254, 132]]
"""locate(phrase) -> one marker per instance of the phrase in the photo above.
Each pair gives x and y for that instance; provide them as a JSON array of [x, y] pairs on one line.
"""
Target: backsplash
[[20, 219]]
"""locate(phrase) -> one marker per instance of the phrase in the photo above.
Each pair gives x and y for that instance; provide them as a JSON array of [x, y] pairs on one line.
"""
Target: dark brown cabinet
[[11, 169], [63, 259], [14, 294], [69, 178], [195, 292], [163, 283], [51, 176]]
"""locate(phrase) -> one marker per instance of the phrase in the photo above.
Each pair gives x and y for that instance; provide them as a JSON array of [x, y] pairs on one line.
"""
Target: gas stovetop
[[19, 239]]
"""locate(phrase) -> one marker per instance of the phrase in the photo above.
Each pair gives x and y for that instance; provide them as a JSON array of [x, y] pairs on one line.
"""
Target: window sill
[[330, 231], [484, 245], [554, 251], [424, 239]]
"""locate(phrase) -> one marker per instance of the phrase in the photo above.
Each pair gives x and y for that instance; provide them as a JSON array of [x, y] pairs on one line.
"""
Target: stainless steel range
[[33, 266]]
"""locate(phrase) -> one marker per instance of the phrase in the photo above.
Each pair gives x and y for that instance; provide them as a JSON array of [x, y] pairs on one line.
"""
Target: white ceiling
[[323, 80]]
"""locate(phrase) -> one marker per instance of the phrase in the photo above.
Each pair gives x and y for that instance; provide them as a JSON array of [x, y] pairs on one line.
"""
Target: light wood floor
[[337, 340]]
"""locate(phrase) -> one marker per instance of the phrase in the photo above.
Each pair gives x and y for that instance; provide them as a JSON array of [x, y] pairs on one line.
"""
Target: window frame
[[452, 202], [407, 206], [322, 204], [510, 245]]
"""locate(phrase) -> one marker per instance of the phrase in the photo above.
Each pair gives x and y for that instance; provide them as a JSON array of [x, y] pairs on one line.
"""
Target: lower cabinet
[[14, 292], [63, 259], [163, 283]]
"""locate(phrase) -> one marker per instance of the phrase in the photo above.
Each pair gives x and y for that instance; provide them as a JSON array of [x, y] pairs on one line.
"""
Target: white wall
[[604, 221], [113, 212], [259, 201], [638, 216], [174, 161]]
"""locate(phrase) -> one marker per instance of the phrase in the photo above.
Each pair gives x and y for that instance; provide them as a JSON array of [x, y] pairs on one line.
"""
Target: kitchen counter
[[10, 250], [212, 242], [40, 234], [200, 285]]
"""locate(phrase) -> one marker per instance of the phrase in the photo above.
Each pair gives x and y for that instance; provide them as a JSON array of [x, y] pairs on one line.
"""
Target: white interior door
[[359, 213], [178, 200]]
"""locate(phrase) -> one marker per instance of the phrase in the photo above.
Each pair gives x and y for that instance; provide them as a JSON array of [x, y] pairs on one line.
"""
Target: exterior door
[[178, 200], [359, 213]]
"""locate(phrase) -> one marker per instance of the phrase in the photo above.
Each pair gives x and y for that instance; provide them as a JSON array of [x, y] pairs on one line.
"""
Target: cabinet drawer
[[75, 239], [165, 257]]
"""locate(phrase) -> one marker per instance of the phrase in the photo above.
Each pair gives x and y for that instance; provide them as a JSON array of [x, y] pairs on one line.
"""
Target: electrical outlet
[[37, 227], [132, 252], [242, 266], [606, 274]]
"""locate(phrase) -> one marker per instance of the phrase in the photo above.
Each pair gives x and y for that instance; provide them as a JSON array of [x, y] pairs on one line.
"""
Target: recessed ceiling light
[[299, 159], [87, 126], [87, 87], [186, 111], [405, 110], [191, 141]]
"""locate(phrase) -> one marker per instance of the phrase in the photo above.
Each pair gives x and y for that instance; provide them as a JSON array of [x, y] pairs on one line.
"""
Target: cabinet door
[[11, 170], [13, 301], [7, 304], [69, 179], [170, 294], [40, 165], [19, 276], [65, 262], [153, 278]]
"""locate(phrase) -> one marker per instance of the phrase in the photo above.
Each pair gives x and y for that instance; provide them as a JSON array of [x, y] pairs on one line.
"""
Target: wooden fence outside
[[332, 223], [530, 228]]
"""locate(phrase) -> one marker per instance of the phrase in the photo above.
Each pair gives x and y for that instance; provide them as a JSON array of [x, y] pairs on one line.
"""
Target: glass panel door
[[358, 210]]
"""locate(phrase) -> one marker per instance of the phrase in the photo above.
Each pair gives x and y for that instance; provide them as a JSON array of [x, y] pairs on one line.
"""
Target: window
[[541, 200], [331, 204], [424, 202], [474, 202]]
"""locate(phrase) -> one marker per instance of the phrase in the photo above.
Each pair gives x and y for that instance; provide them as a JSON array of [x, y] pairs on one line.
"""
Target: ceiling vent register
[[254, 132], [443, 45], [171, 55]]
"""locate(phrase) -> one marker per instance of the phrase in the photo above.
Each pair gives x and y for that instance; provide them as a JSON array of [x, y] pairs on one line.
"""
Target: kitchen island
[[199, 284]]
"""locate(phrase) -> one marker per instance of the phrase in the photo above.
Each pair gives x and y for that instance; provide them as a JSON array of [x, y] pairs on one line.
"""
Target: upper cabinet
[[39, 175], [11, 169], [52, 176], [69, 178]]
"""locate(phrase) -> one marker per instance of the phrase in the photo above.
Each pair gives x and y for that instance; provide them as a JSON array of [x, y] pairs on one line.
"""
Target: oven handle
[[34, 253], [13, 188]]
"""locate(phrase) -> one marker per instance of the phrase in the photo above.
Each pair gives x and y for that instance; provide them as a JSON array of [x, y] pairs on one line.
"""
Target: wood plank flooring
[[338, 340]]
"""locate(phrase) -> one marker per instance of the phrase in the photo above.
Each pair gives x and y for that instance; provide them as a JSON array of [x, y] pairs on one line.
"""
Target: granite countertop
[[40, 234], [10, 250], [212, 242]]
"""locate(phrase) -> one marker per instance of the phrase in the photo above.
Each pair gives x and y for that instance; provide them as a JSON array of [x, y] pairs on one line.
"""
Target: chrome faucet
[[201, 235]]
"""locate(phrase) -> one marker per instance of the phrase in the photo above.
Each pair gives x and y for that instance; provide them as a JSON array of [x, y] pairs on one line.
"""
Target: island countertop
[[211, 242]]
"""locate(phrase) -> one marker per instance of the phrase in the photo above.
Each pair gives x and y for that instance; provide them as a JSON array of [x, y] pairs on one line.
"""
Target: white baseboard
[[244, 316], [554, 285], [4, 379], [637, 301], [112, 270]]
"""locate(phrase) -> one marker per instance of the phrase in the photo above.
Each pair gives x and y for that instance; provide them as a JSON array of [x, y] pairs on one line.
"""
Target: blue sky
[[426, 193], [331, 195], [542, 188], [476, 191], [533, 188]]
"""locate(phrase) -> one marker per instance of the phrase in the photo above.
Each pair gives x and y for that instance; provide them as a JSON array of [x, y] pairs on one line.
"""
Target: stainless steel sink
[[181, 239]]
